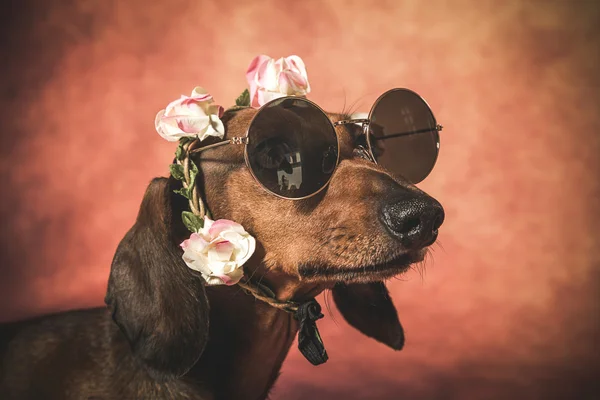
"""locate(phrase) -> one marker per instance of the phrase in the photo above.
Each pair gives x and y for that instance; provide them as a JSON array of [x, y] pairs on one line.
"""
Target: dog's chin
[[362, 273]]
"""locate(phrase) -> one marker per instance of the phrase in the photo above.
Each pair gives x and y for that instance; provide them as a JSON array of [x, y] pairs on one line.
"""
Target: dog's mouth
[[362, 273]]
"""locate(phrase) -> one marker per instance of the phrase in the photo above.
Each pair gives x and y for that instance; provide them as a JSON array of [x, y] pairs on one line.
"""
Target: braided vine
[[185, 170]]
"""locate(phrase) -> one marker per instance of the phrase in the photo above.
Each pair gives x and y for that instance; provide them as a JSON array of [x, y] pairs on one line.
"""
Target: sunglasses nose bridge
[[361, 121]]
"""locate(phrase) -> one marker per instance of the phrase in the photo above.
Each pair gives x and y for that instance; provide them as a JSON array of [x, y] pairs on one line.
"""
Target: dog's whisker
[[261, 278], [400, 278], [327, 237], [418, 268], [253, 273], [430, 256], [441, 246], [349, 109], [421, 267], [327, 298], [345, 102], [343, 252]]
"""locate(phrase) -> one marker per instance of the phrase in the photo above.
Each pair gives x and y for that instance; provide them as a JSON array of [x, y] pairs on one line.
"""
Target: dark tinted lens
[[403, 134], [292, 147]]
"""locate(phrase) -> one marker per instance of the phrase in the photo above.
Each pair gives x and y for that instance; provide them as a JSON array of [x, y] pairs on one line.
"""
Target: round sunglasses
[[292, 148]]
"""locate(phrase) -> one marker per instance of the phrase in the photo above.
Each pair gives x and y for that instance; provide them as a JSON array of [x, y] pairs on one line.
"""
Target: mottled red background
[[509, 308]]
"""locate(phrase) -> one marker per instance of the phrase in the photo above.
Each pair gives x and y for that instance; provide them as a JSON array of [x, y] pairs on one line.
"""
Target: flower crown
[[218, 249]]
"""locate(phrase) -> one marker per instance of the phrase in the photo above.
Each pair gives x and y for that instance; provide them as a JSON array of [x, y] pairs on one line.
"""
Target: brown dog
[[174, 338]]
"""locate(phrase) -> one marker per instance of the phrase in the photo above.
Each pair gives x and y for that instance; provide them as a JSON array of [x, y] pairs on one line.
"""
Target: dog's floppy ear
[[369, 308], [157, 302]]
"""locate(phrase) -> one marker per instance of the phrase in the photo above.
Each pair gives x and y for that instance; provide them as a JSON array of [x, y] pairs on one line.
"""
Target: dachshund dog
[[165, 335]]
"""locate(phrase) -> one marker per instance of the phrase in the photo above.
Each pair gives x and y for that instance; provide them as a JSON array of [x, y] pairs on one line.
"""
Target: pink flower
[[218, 251], [270, 79], [194, 116]]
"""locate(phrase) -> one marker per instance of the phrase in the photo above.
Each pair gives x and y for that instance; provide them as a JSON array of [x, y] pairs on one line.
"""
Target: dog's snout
[[414, 221]]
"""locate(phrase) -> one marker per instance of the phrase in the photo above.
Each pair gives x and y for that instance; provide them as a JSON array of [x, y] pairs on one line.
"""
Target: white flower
[[270, 79], [194, 116], [218, 251]]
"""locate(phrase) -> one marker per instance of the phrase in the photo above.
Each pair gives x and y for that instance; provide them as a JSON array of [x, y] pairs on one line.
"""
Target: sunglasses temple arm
[[211, 146], [437, 128], [366, 121]]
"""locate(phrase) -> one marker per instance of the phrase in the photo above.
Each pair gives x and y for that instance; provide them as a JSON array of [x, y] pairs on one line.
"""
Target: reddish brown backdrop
[[508, 309]]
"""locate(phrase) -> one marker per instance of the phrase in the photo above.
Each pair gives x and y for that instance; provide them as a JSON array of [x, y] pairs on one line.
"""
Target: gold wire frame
[[366, 121], [244, 140]]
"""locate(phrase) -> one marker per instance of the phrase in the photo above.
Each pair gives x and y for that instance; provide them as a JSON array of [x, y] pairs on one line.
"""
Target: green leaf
[[184, 192], [193, 222], [193, 173], [185, 139], [177, 171], [180, 154], [244, 99]]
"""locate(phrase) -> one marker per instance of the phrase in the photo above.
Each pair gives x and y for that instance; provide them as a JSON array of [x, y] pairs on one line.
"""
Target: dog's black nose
[[414, 221]]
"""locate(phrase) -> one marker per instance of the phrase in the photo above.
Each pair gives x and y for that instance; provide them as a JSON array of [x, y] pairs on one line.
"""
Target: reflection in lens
[[289, 177], [403, 134], [292, 147]]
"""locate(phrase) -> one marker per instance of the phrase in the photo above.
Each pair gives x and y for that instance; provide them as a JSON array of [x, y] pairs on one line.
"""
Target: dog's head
[[364, 227]]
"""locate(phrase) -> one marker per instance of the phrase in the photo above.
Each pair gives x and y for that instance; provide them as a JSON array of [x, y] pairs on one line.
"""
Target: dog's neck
[[287, 288], [249, 339]]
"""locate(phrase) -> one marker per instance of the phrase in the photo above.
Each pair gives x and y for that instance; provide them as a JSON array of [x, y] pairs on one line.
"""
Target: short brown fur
[[165, 335]]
